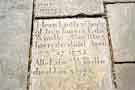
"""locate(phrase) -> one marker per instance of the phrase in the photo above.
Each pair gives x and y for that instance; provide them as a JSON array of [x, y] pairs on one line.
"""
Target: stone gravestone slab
[[70, 54], [52, 8], [15, 30], [122, 29]]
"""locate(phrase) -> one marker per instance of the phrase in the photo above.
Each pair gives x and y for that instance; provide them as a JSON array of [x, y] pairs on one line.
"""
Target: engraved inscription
[[67, 7], [70, 54]]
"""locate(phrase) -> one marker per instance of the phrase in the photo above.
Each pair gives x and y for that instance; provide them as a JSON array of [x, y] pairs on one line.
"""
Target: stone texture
[[70, 54], [119, 1], [125, 76], [15, 29], [122, 28], [50, 8]]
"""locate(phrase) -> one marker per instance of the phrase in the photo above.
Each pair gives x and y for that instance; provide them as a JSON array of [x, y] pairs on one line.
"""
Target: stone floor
[[17, 19]]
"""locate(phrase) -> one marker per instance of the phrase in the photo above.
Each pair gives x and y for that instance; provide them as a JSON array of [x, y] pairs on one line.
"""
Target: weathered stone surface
[[15, 26], [119, 0], [70, 54], [122, 29], [52, 8], [125, 76]]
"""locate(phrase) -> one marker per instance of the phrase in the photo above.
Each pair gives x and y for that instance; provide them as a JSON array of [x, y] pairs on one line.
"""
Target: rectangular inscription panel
[[70, 54], [67, 7]]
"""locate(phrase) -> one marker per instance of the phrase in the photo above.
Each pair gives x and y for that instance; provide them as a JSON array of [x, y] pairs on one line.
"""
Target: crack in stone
[[111, 49], [81, 15], [118, 2], [31, 37]]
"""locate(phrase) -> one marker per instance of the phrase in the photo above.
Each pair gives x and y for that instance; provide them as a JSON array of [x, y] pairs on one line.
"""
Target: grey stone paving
[[15, 29], [125, 76], [122, 28]]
